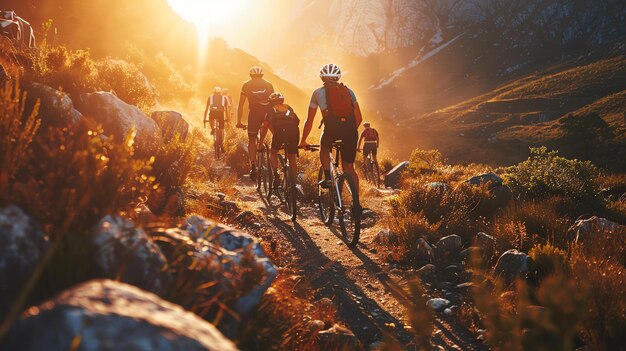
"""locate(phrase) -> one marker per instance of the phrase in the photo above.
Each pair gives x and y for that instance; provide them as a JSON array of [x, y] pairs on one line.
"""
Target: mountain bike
[[338, 200], [218, 140], [371, 170], [286, 191], [264, 174]]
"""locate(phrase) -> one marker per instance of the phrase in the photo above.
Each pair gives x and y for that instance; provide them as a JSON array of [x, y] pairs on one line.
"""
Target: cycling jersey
[[318, 99], [218, 102], [257, 91], [370, 135], [284, 125]]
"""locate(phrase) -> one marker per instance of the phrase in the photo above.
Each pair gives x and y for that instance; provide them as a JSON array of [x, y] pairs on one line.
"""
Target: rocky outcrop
[[22, 246], [511, 265], [448, 247], [172, 124], [106, 315], [393, 177], [120, 119], [55, 108], [595, 227], [123, 252], [491, 179]]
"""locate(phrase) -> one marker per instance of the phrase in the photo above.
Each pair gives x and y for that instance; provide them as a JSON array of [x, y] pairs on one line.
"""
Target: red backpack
[[339, 100]]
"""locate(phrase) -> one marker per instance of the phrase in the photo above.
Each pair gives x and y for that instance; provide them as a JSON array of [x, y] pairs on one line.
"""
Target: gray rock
[[448, 247], [377, 346], [589, 229], [22, 246], [487, 245], [451, 273], [122, 251], [501, 195], [171, 123], [338, 338], [427, 271], [437, 303], [393, 177], [443, 187], [119, 119], [425, 253], [113, 316], [55, 108], [247, 219], [493, 180], [465, 288], [470, 253], [512, 264]]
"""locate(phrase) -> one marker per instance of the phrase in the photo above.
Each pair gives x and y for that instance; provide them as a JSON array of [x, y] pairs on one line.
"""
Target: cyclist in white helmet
[[341, 117], [257, 90]]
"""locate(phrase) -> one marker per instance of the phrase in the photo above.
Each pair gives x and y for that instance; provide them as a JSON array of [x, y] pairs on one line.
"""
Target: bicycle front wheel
[[350, 212], [325, 200], [376, 172], [264, 176], [290, 193]]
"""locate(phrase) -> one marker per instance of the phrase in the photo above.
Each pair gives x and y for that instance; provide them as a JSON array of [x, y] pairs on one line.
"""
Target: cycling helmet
[[276, 98], [365, 124], [330, 71], [256, 71], [217, 90]]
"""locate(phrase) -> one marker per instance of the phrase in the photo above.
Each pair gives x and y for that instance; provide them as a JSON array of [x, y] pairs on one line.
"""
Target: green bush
[[127, 82], [545, 174], [546, 260], [425, 160]]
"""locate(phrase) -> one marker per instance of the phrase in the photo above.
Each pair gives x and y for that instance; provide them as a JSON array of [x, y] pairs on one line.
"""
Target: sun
[[205, 14]]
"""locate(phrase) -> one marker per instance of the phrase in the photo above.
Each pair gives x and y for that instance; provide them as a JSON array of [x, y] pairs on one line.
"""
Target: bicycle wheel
[[264, 177], [364, 170], [280, 190], [350, 213], [218, 144], [290, 193], [376, 174], [325, 201]]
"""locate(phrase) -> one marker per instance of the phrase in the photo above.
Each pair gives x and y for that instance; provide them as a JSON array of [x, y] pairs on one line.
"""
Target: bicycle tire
[[290, 193], [376, 172], [264, 176], [349, 214], [325, 201]]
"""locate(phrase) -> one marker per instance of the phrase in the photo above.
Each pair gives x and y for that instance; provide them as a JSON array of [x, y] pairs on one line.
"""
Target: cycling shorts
[[370, 148], [217, 116], [287, 134], [256, 118], [343, 128]]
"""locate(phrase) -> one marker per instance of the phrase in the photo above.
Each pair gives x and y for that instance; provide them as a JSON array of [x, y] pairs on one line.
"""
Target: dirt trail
[[366, 290]]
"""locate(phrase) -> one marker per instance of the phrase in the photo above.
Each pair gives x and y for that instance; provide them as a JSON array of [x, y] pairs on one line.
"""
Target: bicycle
[[218, 138], [371, 170], [264, 174], [339, 200], [286, 190]]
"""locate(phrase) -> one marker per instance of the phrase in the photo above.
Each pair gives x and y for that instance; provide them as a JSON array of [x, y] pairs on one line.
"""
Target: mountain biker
[[217, 107], [372, 141], [283, 122], [256, 90], [341, 117], [229, 116]]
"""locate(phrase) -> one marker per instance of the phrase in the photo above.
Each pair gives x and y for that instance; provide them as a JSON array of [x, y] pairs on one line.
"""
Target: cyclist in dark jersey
[[372, 141], [341, 122], [257, 90]]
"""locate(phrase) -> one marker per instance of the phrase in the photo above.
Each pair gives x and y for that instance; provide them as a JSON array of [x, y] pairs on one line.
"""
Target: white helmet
[[330, 71], [256, 71], [217, 90]]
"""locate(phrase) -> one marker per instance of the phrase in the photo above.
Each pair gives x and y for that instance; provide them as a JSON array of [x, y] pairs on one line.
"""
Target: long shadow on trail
[[329, 279]]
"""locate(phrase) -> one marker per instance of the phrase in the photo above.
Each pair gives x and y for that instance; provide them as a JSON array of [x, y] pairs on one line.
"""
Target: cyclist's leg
[[374, 154], [348, 155], [326, 143], [292, 135], [254, 124]]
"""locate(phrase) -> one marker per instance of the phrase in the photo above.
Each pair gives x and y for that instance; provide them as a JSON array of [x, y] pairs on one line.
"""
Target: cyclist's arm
[[357, 114], [360, 141], [242, 100], [308, 125], [208, 105], [264, 129]]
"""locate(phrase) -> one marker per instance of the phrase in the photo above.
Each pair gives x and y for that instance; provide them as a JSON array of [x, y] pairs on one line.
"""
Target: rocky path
[[367, 291]]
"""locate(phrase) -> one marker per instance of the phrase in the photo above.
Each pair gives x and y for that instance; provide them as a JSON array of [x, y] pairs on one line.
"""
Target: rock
[[448, 247], [393, 177], [465, 288], [337, 338], [427, 271], [510, 265], [108, 315], [246, 219], [119, 119], [425, 253], [168, 199], [171, 123], [491, 179], [22, 246], [487, 245], [584, 230], [385, 237], [470, 253], [437, 303], [377, 346], [442, 187], [55, 108], [448, 312], [122, 251], [238, 252], [451, 273], [500, 196]]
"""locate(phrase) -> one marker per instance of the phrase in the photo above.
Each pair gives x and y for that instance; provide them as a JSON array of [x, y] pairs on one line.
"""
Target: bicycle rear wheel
[[218, 140], [264, 176], [289, 187], [376, 175], [350, 213], [325, 201]]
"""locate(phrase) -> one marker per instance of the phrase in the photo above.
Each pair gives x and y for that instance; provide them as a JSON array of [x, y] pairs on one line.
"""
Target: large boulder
[[593, 228], [22, 246], [491, 179], [122, 251], [448, 247], [107, 315], [424, 252], [120, 119], [393, 177], [55, 108], [171, 123], [511, 265]]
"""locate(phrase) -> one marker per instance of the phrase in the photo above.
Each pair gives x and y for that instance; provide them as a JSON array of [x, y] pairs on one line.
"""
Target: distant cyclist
[[341, 117], [217, 107], [228, 118], [283, 122], [257, 90], [372, 141]]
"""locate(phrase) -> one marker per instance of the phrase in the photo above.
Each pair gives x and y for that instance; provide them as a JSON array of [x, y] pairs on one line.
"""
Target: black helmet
[[276, 98]]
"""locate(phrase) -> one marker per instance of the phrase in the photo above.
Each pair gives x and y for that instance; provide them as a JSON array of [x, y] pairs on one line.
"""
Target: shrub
[[127, 82], [425, 160], [546, 174], [408, 228], [546, 260]]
